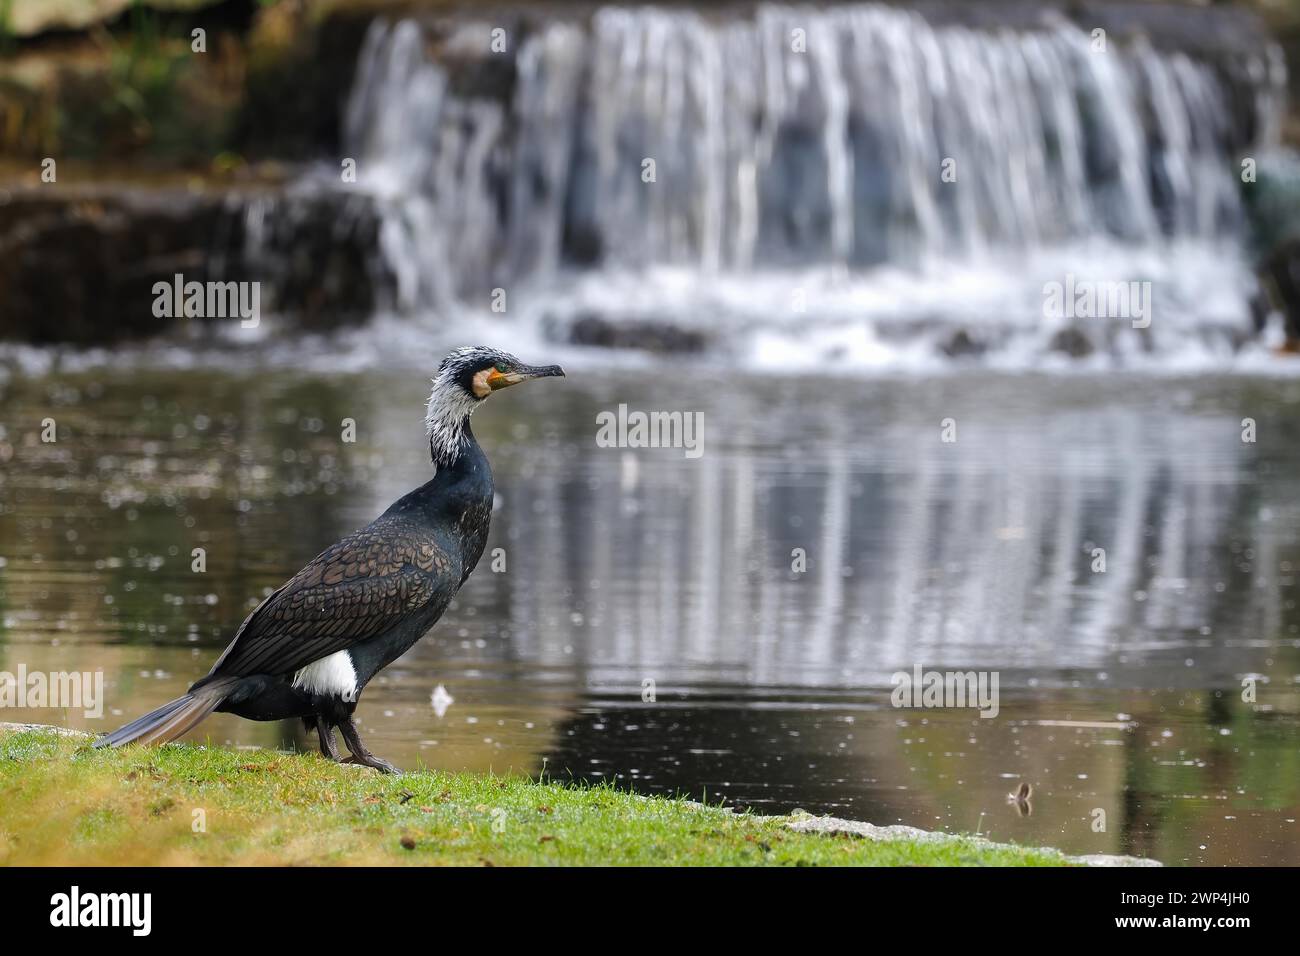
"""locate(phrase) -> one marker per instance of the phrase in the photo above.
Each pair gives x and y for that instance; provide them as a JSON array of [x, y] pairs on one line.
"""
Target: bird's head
[[465, 378], [479, 371]]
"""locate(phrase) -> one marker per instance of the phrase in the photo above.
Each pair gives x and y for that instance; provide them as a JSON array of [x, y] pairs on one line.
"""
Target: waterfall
[[844, 158]]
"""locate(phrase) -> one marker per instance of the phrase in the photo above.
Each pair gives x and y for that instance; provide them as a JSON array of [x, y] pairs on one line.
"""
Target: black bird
[[311, 647]]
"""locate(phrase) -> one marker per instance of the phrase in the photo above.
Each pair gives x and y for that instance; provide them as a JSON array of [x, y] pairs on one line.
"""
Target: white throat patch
[[449, 407], [333, 676]]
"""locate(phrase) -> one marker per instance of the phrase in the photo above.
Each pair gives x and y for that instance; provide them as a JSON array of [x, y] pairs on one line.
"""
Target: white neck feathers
[[444, 421]]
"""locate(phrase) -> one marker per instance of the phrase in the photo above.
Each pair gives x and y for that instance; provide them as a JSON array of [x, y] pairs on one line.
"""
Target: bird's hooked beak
[[521, 373]]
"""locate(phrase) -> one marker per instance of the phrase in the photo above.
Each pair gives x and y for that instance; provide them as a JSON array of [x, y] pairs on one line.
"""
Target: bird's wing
[[355, 590]]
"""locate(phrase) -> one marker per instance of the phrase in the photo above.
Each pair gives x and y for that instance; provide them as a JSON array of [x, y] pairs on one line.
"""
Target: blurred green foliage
[[7, 41]]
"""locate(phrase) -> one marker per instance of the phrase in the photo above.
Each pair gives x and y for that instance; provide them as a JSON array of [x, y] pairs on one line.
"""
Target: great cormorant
[[311, 647]]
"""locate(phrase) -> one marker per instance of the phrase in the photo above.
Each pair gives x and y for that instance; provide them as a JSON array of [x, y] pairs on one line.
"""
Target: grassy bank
[[61, 803]]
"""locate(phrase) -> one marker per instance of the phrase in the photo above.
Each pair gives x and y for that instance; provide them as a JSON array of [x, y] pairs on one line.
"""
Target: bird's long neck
[[466, 456], [447, 423], [449, 443], [461, 488], [458, 490]]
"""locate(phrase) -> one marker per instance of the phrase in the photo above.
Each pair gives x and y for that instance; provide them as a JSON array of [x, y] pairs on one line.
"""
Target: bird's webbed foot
[[360, 755], [370, 760]]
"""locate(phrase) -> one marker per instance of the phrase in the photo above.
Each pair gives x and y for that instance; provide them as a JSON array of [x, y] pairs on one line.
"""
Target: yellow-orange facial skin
[[490, 380]]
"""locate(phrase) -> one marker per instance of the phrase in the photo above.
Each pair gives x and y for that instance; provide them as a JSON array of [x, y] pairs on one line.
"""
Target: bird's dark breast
[[473, 531], [452, 514]]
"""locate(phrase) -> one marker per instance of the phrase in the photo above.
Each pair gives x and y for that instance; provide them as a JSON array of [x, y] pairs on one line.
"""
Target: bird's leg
[[329, 748], [359, 752]]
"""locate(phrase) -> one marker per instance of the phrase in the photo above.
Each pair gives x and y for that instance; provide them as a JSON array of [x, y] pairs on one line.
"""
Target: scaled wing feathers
[[355, 590]]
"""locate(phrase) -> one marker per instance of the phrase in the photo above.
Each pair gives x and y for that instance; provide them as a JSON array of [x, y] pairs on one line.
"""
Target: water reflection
[[1121, 689]]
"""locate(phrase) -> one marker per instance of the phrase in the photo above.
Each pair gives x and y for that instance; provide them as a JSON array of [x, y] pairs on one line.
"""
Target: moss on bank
[[62, 803]]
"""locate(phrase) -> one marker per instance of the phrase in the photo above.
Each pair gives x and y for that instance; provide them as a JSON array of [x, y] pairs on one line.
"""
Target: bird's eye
[[501, 369]]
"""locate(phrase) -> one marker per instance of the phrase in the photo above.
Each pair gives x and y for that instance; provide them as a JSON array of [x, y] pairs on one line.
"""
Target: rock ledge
[[833, 826]]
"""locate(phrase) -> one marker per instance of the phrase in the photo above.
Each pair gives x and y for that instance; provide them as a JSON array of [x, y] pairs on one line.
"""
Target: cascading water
[[852, 178]]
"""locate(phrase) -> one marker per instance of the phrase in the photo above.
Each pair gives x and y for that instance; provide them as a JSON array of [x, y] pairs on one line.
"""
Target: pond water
[[645, 625]]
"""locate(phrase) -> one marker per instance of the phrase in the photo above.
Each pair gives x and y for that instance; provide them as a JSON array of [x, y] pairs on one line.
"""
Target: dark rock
[[1281, 275], [962, 344], [1272, 201], [80, 267], [1072, 342], [1273, 205], [317, 254], [651, 335], [301, 64]]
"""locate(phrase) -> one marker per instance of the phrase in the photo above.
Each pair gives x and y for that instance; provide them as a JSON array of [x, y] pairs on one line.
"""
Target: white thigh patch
[[329, 676]]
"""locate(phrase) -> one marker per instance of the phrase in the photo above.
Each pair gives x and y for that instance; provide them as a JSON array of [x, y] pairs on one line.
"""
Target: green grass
[[62, 803]]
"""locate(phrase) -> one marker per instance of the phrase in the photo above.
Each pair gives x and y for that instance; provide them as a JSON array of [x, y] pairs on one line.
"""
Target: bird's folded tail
[[172, 719]]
